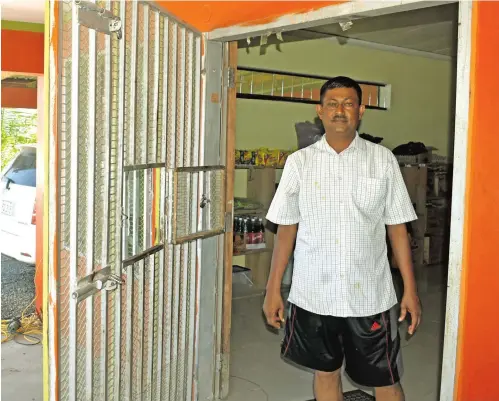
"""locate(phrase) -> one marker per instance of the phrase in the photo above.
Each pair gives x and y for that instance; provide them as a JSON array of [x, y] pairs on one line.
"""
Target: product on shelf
[[273, 158], [238, 236], [283, 156], [246, 204], [262, 157], [248, 233]]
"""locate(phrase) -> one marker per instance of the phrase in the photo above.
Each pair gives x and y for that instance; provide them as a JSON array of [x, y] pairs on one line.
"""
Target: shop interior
[[406, 64]]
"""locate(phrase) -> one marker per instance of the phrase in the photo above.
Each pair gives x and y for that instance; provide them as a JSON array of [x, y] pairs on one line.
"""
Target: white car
[[17, 214]]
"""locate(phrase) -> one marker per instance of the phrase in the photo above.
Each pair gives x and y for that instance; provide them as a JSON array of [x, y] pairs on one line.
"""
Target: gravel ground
[[18, 288]]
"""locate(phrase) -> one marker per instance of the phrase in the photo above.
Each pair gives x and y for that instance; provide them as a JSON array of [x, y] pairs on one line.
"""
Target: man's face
[[340, 111]]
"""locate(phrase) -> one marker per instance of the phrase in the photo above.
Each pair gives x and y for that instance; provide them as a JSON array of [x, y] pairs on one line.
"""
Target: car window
[[23, 170]]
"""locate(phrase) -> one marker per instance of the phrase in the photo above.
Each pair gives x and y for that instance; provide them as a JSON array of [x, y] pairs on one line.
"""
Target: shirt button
[[337, 242], [340, 178]]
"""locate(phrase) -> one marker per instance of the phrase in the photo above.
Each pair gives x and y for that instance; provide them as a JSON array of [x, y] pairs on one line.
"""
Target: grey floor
[[259, 374], [22, 372]]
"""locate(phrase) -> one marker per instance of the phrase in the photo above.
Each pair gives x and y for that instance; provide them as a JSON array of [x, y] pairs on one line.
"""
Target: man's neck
[[340, 142]]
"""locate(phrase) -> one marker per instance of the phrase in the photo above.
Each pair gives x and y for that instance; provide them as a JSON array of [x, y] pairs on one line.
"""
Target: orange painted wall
[[19, 98], [209, 15], [478, 346], [22, 51]]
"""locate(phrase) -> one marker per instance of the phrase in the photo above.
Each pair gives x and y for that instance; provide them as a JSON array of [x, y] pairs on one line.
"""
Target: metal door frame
[[341, 12]]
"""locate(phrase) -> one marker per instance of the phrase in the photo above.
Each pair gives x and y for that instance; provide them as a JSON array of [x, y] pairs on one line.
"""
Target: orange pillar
[[478, 346]]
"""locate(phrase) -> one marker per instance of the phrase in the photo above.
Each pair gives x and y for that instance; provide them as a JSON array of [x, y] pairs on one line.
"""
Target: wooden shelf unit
[[261, 184], [251, 167], [253, 252]]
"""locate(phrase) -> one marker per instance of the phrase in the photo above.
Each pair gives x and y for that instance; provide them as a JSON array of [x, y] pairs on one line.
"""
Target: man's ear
[[362, 109], [318, 109]]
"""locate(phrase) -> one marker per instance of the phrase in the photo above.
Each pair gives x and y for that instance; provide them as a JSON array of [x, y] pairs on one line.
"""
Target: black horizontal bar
[[140, 256], [137, 167], [198, 169], [291, 99]]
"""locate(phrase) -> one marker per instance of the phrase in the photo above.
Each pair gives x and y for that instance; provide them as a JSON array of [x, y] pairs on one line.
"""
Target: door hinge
[[98, 18], [231, 77], [229, 222], [96, 281]]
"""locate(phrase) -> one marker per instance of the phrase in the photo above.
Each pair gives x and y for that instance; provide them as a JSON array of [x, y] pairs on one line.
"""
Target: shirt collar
[[357, 143]]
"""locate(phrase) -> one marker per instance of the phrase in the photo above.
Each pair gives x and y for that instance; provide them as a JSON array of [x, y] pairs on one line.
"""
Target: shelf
[[253, 251], [250, 167], [242, 212]]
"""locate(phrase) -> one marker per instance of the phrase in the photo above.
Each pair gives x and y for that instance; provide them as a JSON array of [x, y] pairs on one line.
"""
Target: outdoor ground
[[21, 364], [22, 378], [18, 287]]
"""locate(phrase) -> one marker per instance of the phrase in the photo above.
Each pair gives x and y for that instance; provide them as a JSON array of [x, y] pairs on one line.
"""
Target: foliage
[[18, 128]]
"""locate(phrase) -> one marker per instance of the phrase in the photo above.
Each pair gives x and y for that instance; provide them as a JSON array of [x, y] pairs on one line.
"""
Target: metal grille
[[198, 213], [132, 203]]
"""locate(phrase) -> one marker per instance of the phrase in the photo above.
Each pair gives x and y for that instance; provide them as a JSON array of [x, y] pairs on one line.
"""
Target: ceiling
[[432, 30], [23, 10]]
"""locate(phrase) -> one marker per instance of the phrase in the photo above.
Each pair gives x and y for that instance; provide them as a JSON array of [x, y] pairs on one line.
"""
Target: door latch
[[96, 281], [98, 18]]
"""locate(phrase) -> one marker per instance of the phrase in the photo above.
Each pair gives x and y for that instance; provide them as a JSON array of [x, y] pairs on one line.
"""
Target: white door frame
[[355, 10]]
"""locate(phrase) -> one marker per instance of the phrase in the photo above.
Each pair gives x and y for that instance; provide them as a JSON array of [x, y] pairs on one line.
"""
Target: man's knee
[[328, 376], [393, 392]]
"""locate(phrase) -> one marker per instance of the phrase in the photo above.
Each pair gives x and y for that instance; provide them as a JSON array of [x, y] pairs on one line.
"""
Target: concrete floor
[[21, 372], [259, 374]]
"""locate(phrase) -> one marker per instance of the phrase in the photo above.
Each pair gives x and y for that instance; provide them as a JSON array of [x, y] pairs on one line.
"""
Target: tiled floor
[[259, 374]]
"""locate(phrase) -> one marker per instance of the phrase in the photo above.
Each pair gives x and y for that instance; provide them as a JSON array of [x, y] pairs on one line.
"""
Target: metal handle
[[96, 281]]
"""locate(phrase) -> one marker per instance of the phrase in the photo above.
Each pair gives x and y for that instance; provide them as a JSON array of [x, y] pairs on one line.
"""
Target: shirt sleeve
[[284, 209], [398, 207]]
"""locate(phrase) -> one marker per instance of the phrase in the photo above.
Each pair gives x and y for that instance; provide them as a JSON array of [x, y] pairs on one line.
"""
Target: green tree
[[18, 128]]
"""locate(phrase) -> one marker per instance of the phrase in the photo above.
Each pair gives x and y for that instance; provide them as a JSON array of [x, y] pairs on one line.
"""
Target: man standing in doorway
[[334, 200]]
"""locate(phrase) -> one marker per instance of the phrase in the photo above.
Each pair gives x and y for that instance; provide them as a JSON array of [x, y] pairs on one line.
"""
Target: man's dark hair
[[341, 82]]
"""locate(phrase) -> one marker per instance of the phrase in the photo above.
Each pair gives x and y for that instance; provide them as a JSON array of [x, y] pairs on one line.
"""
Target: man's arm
[[402, 253], [273, 306]]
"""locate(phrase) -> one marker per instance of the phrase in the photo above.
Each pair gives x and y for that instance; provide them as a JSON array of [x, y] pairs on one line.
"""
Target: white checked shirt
[[342, 203]]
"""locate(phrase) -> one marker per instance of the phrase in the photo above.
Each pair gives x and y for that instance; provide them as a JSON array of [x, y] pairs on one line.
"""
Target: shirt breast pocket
[[369, 195]]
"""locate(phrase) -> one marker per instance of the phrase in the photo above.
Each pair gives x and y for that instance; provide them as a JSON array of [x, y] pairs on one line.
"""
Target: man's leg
[[372, 352], [390, 393], [327, 386], [312, 341]]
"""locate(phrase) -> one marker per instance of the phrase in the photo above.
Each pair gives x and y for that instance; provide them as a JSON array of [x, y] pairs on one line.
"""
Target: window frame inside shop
[[285, 86]]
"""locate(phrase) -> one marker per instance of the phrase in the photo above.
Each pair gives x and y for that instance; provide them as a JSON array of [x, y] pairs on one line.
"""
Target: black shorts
[[370, 345]]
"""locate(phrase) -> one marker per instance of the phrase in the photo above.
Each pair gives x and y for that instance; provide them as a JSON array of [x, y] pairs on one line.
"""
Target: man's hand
[[273, 307], [410, 303]]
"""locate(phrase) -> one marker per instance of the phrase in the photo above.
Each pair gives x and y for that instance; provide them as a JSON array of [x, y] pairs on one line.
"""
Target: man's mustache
[[339, 118]]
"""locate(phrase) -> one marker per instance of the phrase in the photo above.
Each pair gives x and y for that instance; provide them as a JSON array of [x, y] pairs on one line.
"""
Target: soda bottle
[[245, 232], [261, 233]]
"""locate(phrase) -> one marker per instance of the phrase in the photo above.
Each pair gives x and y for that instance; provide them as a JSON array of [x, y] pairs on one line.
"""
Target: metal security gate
[[131, 202]]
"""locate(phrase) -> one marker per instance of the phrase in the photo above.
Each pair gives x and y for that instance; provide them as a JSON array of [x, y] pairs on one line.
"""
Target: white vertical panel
[[73, 268], [92, 50]]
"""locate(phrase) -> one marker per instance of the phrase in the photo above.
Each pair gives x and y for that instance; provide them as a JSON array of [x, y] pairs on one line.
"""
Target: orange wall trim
[[22, 51], [19, 98], [209, 15], [478, 346]]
